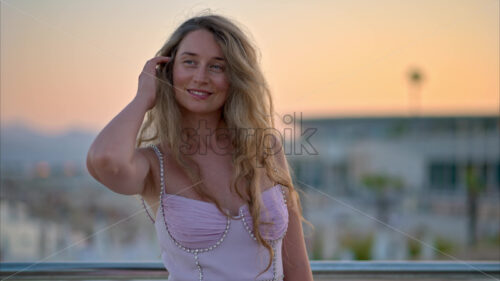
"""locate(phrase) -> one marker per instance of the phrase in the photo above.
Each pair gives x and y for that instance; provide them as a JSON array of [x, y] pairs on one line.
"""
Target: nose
[[200, 75]]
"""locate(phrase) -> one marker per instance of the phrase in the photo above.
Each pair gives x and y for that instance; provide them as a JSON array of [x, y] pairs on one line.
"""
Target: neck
[[200, 131]]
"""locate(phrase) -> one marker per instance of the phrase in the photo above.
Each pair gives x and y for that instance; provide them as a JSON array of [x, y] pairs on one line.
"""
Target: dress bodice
[[198, 242]]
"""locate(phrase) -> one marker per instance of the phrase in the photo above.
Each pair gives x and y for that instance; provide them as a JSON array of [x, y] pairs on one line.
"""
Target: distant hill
[[20, 144]]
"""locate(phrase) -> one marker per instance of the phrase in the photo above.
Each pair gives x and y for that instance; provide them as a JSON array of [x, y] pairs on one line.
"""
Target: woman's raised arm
[[112, 158]]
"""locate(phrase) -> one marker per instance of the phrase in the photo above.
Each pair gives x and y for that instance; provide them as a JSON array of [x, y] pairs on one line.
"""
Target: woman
[[227, 209]]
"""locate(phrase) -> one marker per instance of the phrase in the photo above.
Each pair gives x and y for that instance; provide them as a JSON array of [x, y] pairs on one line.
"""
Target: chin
[[198, 108]]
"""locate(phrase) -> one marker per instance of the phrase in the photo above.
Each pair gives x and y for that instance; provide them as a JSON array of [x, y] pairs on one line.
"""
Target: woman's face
[[199, 73]]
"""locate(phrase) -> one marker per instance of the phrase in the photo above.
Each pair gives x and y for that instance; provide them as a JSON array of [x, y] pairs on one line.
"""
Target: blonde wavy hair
[[249, 106]]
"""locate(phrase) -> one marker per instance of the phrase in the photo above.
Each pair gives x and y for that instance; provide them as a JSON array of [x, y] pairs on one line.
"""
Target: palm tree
[[475, 185], [382, 185], [415, 78]]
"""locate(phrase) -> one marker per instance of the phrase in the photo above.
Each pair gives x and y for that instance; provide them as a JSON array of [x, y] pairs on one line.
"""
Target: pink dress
[[200, 243]]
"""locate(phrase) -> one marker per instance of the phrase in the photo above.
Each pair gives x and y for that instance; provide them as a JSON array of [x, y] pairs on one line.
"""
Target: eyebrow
[[195, 55]]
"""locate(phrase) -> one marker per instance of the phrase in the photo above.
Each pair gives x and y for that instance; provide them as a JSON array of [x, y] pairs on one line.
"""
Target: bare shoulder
[[282, 168]]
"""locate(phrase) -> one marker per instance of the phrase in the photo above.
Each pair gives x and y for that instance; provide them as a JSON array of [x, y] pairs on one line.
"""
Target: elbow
[[109, 174], [101, 163]]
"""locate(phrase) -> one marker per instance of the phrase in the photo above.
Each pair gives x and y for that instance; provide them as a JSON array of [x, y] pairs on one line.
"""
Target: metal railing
[[322, 270]]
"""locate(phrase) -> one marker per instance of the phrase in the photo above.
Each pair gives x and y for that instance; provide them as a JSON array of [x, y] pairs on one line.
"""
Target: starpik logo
[[296, 140]]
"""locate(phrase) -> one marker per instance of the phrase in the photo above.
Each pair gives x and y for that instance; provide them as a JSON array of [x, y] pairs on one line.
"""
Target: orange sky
[[76, 63]]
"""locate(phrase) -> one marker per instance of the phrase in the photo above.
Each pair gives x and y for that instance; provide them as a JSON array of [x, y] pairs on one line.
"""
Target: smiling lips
[[199, 93]]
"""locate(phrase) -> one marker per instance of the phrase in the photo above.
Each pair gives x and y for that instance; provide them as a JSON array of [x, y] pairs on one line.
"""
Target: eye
[[217, 68], [188, 62]]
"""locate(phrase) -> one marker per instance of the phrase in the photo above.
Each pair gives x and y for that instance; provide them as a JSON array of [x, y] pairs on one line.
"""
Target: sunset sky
[[75, 64]]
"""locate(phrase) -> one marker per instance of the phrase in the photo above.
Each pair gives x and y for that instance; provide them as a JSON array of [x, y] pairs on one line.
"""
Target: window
[[443, 176]]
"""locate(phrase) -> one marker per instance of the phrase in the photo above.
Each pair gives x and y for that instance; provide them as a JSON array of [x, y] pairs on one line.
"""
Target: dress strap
[[160, 158], [162, 180], [283, 193]]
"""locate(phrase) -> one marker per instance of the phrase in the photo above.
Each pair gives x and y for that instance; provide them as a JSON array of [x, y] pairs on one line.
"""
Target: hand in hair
[[148, 79]]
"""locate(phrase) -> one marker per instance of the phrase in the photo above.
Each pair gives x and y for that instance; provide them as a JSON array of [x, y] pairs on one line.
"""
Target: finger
[[163, 57], [159, 59], [153, 63]]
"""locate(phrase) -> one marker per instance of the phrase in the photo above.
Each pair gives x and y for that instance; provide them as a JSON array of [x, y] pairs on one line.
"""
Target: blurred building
[[331, 158], [430, 153]]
